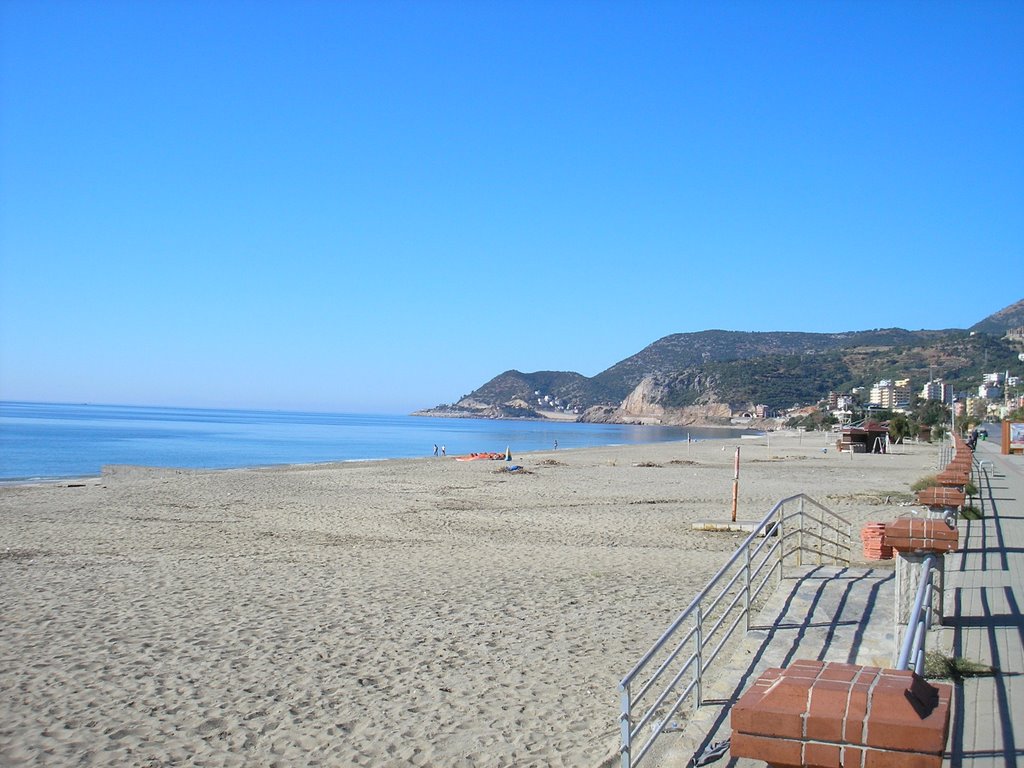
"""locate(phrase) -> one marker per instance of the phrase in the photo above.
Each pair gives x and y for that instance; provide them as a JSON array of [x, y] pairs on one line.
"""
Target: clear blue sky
[[377, 206]]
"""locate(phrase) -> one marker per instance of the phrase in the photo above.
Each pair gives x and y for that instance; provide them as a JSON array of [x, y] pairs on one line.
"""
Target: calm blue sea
[[39, 441]]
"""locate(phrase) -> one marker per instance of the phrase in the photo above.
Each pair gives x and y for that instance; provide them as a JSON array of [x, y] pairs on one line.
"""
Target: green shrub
[[928, 481], [940, 666], [970, 513]]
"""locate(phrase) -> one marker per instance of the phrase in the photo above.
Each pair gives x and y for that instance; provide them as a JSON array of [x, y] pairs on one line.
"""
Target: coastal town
[[997, 395]]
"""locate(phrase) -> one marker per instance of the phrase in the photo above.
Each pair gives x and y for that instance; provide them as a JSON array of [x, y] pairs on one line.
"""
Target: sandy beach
[[413, 612]]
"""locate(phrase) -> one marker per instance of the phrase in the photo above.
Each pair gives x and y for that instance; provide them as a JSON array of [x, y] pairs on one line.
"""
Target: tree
[[932, 412], [899, 428]]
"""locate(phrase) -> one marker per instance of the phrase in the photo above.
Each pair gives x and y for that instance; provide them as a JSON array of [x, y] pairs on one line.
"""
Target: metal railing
[[985, 484], [912, 650], [673, 670]]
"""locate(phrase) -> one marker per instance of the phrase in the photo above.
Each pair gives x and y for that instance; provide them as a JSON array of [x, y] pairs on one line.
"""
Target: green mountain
[[682, 352], [573, 389], [783, 381], [743, 369]]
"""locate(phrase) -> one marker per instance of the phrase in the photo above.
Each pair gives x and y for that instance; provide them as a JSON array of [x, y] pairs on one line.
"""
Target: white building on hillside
[[936, 389]]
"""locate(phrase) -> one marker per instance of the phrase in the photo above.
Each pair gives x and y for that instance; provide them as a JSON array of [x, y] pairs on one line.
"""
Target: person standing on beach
[[443, 452], [556, 445], [435, 449]]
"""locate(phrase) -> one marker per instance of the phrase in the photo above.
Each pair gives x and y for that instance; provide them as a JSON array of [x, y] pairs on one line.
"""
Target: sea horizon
[[53, 441]]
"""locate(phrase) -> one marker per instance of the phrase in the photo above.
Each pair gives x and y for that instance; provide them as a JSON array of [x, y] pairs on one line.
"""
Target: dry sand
[[426, 612]]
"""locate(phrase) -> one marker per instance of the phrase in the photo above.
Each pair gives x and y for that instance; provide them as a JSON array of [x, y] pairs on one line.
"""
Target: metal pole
[[779, 532], [736, 484], [699, 671], [800, 537], [625, 726], [914, 622], [821, 535], [746, 589]]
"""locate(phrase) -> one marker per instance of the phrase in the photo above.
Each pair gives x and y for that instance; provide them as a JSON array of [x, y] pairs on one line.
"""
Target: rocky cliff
[[644, 406]]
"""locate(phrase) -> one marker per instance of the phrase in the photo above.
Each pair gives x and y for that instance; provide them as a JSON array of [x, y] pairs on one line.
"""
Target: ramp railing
[[795, 532]]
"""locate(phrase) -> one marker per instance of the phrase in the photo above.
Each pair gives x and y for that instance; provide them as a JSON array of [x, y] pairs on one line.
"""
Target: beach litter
[[711, 754]]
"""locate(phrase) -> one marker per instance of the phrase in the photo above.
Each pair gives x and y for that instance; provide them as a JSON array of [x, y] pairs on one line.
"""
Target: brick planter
[[919, 535], [953, 478], [831, 715], [941, 497]]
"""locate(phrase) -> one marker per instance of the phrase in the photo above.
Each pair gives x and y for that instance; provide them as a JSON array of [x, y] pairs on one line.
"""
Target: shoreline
[[387, 612], [35, 480], [637, 421], [219, 439]]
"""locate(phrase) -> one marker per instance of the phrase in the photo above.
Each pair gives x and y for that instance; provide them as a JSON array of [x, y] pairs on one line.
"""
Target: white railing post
[[625, 726], [781, 540], [821, 534], [699, 656], [746, 591], [800, 537]]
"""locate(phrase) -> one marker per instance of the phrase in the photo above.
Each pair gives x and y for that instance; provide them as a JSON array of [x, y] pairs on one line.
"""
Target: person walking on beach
[[443, 452], [556, 445], [435, 449]]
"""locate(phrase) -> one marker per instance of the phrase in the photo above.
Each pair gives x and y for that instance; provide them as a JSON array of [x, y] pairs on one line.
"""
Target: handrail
[[693, 642], [912, 651], [983, 470], [919, 620]]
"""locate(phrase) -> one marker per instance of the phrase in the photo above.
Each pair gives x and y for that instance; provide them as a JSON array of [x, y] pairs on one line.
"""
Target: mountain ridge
[[703, 376]]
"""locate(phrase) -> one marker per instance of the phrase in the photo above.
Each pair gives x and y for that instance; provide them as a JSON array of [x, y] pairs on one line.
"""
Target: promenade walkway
[[984, 602], [847, 614]]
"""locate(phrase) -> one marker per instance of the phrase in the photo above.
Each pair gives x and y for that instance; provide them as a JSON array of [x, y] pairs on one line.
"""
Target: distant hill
[[783, 381], [573, 389], [743, 369], [1002, 321], [684, 351]]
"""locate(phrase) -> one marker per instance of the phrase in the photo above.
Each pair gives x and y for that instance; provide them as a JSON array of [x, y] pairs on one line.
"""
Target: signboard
[[1016, 436]]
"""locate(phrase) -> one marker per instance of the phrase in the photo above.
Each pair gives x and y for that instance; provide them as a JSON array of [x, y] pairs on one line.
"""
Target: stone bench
[[832, 715]]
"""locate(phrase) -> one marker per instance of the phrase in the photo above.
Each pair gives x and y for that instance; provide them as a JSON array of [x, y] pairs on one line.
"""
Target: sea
[[45, 441]]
